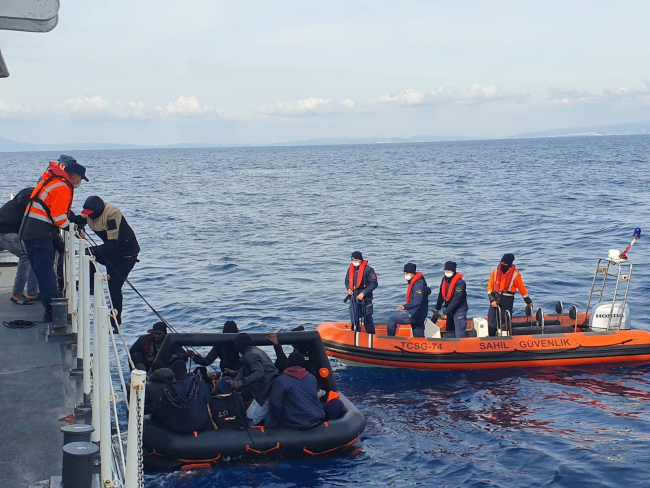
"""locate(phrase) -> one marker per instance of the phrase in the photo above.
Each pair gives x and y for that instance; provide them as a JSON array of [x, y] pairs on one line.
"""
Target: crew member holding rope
[[46, 213], [361, 281], [504, 282], [120, 248]]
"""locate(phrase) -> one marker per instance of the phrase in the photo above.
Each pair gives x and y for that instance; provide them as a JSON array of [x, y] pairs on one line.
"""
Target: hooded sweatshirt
[[258, 371], [294, 400], [184, 406]]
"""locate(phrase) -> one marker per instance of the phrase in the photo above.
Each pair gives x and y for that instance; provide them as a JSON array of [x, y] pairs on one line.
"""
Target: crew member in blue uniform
[[360, 281], [453, 294], [415, 310]]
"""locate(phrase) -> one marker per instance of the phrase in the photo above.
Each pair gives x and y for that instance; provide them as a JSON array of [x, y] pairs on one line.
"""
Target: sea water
[[263, 236]]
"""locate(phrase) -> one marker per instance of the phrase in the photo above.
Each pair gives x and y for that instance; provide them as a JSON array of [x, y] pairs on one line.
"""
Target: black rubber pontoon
[[170, 450]]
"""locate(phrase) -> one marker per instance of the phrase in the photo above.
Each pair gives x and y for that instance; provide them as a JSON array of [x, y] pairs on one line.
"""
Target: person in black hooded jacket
[[226, 352], [183, 406], [120, 248], [257, 375], [11, 218]]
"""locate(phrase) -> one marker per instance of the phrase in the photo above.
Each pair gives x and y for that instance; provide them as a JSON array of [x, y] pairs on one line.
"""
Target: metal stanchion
[[71, 279], [84, 295], [99, 300], [134, 440], [104, 406]]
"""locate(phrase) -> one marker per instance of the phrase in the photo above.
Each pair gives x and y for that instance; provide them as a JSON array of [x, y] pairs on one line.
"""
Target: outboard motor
[[604, 318]]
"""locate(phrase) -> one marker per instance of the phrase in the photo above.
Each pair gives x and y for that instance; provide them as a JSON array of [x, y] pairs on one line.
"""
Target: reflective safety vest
[[51, 200], [416, 277], [507, 283], [448, 291], [362, 269]]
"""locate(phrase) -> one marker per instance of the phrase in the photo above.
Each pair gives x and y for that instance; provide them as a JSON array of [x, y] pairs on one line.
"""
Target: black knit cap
[[450, 266], [410, 268], [508, 258], [357, 255], [296, 359], [230, 327]]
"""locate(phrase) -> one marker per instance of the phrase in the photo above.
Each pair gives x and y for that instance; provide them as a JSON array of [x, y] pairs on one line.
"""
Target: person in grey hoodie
[[256, 375]]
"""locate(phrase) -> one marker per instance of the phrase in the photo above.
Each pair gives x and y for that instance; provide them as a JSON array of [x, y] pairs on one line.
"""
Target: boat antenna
[[636, 235]]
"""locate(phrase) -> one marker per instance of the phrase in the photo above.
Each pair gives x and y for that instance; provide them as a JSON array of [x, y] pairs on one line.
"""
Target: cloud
[[306, 106], [475, 93], [14, 110], [96, 108], [620, 96], [186, 107]]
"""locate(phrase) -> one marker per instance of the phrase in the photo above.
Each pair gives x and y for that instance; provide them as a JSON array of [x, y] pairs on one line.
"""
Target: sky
[[212, 71]]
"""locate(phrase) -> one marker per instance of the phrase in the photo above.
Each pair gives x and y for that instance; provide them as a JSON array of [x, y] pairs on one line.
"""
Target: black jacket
[[12, 212], [184, 406], [257, 373], [145, 350], [226, 352], [155, 387]]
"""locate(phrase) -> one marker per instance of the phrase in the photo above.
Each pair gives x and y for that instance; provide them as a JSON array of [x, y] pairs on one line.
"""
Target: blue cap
[[410, 268], [71, 166], [222, 385], [450, 266]]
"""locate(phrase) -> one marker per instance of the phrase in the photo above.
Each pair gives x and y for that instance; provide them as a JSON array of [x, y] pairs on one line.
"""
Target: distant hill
[[7, 145], [336, 141], [600, 130]]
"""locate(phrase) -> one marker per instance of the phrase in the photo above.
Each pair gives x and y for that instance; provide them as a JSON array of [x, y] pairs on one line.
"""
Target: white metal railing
[[97, 384]]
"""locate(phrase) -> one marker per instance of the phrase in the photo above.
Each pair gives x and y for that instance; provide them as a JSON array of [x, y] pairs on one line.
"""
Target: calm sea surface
[[264, 235]]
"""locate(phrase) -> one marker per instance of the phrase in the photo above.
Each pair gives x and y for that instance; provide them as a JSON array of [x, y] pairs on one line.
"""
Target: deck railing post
[[83, 337], [80, 316], [134, 440], [71, 279], [102, 368], [99, 300]]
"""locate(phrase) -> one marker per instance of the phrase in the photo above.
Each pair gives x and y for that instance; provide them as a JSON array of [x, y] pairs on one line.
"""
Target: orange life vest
[[448, 291], [362, 269], [416, 277], [44, 206], [508, 278], [332, 395]]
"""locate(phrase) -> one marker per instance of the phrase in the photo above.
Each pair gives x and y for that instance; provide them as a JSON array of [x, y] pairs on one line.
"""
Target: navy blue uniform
[[364, 308], [416, 310], [456, 308]]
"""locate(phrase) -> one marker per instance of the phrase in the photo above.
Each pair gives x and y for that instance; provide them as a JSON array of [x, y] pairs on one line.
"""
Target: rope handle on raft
[[250, 449], [307, 451]]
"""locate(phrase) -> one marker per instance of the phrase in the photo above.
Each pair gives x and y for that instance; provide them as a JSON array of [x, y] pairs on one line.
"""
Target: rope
[[114, 312], [19, 324]]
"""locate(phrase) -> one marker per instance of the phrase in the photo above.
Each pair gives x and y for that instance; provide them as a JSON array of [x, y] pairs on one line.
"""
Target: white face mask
[[449, 274], [408, 277], [356, 264]]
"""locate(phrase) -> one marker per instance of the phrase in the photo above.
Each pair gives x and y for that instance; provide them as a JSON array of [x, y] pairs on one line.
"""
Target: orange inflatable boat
[[604, 336]]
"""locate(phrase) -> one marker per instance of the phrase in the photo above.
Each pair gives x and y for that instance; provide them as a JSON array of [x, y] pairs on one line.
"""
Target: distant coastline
[[8, 145]]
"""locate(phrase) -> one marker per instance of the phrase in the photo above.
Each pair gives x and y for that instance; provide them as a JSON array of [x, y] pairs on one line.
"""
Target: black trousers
[[118, 270]]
